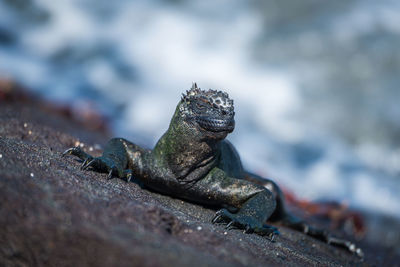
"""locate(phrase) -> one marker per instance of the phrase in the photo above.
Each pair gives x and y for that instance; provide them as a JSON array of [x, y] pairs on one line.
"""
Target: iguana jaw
[[216, 124]]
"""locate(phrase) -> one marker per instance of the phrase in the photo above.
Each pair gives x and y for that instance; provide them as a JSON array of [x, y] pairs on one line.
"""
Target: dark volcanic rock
[[53, 214]]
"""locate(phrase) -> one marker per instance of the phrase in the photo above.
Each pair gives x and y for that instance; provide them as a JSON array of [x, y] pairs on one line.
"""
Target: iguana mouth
[[216, 125]]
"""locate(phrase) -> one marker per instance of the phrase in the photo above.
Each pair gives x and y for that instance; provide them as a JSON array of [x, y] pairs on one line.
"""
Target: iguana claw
[[88, 164], [109, 176], [236, 220]]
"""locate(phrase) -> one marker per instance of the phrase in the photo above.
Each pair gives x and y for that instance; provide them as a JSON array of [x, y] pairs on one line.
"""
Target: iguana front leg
[[117, 159]]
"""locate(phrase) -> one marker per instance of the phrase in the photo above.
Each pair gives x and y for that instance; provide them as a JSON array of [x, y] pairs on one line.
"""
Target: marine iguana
[[193, 161]]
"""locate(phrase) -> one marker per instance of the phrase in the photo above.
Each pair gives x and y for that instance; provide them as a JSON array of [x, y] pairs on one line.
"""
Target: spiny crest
[[217, 99]]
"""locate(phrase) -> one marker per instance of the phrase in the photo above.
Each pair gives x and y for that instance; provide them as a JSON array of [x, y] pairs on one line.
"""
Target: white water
[[315, 92]]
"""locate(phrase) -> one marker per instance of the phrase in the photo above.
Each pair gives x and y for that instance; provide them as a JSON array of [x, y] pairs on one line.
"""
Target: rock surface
[[54, 214]]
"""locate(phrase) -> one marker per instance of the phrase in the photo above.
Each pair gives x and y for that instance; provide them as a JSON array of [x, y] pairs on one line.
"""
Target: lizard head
[[208, 111]]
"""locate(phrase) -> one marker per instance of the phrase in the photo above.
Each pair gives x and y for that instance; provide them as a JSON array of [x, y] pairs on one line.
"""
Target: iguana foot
[[323, 235], [245, 222], [351, 247], [101, 164]]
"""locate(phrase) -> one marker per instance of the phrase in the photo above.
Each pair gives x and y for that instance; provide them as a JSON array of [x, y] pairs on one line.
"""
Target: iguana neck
[[181, 150]]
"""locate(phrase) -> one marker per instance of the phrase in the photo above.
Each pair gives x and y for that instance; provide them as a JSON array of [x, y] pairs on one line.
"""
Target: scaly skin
[[193, 161]]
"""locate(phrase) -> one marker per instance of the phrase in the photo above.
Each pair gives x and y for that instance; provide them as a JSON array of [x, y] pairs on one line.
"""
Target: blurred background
[[315, 83]]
